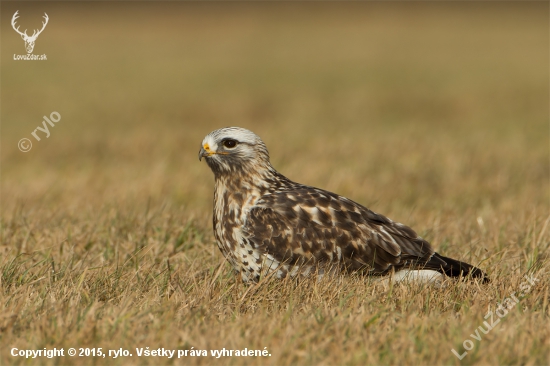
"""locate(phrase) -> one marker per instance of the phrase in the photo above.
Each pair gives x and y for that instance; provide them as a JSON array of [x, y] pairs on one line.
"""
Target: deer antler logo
[[29, 41]]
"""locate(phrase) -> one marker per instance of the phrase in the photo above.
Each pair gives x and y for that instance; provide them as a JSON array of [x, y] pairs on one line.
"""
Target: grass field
[[434, 114]]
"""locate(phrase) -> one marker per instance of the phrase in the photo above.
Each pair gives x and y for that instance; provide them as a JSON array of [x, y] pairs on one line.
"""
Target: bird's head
[[233, 149]]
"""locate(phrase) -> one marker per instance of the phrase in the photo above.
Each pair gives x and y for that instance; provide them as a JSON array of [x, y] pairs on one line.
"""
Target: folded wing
[[308, 225]]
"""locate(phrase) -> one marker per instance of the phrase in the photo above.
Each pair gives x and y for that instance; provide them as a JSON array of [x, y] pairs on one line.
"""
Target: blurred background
[[435, 114], [409, 108]]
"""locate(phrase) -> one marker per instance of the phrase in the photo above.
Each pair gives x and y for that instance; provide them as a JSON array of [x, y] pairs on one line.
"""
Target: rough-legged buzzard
[[264, 222]]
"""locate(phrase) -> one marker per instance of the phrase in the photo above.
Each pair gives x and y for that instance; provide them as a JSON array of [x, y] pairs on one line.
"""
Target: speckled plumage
[[264, 222]]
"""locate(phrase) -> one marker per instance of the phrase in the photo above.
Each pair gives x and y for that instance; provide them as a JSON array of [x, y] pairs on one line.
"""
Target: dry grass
[[433, 114]]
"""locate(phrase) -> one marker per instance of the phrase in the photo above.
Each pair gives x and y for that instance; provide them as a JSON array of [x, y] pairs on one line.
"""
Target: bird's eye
[[230, 143]]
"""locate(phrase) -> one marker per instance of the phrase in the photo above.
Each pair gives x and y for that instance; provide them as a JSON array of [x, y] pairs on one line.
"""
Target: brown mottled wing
[[308, 225]]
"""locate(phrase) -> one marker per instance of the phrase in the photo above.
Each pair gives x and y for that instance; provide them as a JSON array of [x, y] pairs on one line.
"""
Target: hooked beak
[[206, 152], [202, 153]]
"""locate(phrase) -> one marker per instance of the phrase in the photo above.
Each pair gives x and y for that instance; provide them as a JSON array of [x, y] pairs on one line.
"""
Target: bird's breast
[[232, 203]]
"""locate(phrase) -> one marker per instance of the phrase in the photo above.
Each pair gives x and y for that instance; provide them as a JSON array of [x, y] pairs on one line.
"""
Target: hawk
[[264, 223]]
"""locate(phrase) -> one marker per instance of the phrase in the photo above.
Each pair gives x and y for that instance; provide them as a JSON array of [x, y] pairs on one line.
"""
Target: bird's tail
[[453, 268]]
